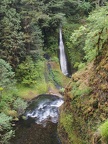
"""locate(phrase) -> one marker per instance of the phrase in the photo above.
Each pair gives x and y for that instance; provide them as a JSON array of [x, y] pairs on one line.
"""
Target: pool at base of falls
[[38, 125]]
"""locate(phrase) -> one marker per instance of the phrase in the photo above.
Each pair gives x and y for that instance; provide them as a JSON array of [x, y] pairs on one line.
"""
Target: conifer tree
[[11, 37]]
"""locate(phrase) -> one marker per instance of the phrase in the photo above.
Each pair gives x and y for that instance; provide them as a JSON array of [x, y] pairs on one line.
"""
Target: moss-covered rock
[[86, 102]]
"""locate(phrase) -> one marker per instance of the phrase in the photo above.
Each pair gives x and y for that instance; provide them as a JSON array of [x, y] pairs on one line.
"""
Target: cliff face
[[86, 103]]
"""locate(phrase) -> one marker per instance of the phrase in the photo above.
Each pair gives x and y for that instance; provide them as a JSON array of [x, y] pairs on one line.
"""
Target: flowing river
[[38, 125]]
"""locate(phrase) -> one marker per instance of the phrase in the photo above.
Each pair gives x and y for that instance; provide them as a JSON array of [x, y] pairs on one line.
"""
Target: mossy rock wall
[[86, 102]]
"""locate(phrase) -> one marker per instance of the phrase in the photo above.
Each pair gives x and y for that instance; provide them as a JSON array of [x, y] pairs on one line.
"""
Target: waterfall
[[38, 125], [44, 109], [63, 62]]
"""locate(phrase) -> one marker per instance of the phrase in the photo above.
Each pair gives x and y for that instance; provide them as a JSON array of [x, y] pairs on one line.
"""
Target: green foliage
[[7, 84], [5, 124], [3, 105], [57, 19], [62, 90], [7, 97], [7, 136], [84, 6], [97, 32], [27, 25], [6, 100], [41, 87], [76, 10], [29, 72], [56, 76], [77, 91], [31, 15], [5, 121], [104, 130], [11, 36], [7, 80], [81, 65], [54, 59], [74, 48], [63, 13], [98, 3], [20, 33], [52, 45], [66, 120], [19, 105], [93, 35]]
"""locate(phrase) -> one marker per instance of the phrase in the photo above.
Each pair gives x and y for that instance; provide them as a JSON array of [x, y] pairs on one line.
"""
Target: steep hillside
[[86, 104]]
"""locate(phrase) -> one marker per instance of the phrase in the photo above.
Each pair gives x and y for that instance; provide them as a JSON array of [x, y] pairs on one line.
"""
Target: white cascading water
[[46, 110], [63, 62]]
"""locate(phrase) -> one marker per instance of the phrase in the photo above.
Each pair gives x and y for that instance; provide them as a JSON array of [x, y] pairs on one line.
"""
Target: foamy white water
[[63, 62], [46, 110]]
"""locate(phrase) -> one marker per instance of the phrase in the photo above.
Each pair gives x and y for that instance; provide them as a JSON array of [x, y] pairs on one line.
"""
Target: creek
[[38, 125]]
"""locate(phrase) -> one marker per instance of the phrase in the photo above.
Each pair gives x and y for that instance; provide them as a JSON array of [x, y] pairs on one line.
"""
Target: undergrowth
[[104, 130]]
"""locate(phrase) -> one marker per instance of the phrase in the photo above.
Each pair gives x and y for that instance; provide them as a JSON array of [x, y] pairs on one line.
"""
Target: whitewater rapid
[[45, 110]]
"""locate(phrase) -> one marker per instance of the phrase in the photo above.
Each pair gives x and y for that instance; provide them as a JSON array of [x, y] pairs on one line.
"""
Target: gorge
[[37, 57]]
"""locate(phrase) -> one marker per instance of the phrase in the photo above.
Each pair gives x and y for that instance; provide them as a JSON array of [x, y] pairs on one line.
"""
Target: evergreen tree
[[11, 37], [31, 13]]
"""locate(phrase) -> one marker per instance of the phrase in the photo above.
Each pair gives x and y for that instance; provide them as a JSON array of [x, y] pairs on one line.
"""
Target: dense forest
[[29, 36]]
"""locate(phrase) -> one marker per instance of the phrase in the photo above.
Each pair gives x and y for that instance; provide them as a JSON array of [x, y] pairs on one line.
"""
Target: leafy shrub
[[104, 130], [5, 121], [62, 90], [3, 105], [5, 125], [55, 59], [76, 91], [26, 72], [7, 99], [7, 136], [7, 80], [56, 76], [19, 105], [29, 72], [81, 65]]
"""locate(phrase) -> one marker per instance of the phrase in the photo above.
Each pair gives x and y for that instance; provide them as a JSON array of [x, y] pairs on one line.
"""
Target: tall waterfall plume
[[63, 61]]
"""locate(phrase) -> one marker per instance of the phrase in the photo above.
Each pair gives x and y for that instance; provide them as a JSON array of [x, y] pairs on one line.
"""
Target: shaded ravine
[[38, 125]]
